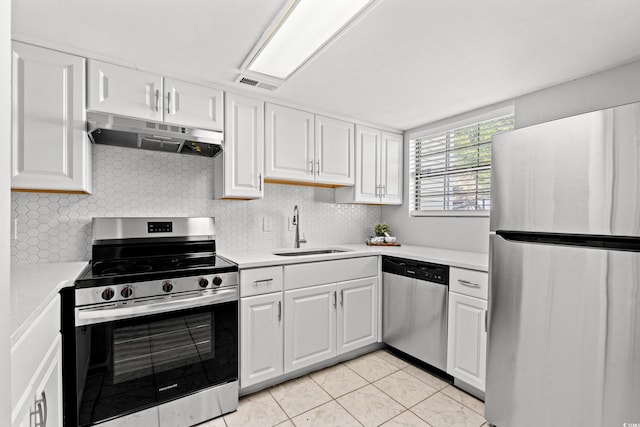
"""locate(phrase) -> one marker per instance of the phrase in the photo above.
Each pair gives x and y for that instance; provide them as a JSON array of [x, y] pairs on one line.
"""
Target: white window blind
[[450, 171]]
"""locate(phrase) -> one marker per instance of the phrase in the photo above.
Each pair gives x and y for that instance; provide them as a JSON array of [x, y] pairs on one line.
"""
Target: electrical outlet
[[267, 223]]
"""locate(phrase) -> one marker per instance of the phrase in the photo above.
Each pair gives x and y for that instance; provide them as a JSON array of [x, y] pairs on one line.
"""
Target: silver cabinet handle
[[383, 191], [318, 167], [261, 281], [377, 191], [260, 182], [485, 320], [157, 99], [335, 299], [279, 311], [341, 296], [469, 284], [311, 171], [168, 102]]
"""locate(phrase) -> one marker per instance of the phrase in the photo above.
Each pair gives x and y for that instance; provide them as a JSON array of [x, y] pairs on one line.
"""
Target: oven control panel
[[154, 288], [159, 227]]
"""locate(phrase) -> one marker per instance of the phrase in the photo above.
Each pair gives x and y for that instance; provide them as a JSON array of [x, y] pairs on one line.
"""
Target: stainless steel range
[[150, 330]]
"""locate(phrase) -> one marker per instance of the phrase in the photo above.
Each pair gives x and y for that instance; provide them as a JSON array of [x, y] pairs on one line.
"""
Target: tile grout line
[[279, 405], [303, 412]]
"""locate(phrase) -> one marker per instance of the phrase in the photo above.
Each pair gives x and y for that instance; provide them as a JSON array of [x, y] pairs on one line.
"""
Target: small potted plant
[[382, 229]]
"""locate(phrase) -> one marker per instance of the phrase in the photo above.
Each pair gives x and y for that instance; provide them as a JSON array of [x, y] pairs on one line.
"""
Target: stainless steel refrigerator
[[564, 305]]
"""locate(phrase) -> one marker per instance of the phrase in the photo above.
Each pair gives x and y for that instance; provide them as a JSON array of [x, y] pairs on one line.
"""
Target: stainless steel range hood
[[110, 129]]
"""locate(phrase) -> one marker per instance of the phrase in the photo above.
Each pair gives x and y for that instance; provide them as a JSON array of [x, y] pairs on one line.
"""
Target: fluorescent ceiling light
[[306, 26]]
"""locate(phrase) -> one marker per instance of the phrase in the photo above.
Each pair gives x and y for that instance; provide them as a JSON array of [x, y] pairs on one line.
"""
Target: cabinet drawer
[[257, 281], [469, 282], [319, 273], [27, 354]]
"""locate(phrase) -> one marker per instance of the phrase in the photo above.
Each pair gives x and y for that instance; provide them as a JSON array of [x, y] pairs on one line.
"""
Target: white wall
[[5, 204], [617, 86], [620, 85]]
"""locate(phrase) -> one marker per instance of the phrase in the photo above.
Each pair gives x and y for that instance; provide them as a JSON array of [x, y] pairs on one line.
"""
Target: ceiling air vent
[[256, 83]]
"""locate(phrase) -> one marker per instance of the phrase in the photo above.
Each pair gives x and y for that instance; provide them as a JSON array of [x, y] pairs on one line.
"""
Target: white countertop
[[33, 286], [265, 257]]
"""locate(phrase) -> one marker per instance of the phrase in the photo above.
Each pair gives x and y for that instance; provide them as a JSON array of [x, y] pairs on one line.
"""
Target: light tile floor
[[377, 389]]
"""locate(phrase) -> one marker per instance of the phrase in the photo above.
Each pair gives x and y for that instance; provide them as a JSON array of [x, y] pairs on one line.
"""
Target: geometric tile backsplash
[[126, 182]]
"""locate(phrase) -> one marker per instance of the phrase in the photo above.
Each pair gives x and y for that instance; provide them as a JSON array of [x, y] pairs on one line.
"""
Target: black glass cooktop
[[140, 269]]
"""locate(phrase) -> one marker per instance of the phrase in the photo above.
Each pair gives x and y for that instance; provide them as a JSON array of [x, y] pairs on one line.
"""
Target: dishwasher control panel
[[436, 273]]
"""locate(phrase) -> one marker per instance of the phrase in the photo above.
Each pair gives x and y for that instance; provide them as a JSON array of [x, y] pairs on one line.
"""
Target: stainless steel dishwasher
[[415, 296]]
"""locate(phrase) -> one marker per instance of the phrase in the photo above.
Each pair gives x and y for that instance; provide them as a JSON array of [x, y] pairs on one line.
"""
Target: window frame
[[442, 126]]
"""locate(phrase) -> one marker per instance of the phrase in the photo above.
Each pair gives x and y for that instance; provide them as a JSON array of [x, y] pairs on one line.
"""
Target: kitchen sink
[[311, 252]]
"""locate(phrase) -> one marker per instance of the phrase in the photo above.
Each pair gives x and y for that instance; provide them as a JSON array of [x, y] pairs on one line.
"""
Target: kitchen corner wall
[[126, 182]]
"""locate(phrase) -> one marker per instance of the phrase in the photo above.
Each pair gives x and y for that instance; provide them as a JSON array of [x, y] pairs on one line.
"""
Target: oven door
[[125, 364]]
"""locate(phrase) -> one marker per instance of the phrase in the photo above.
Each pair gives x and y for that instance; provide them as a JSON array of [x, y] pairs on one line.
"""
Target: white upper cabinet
[[391, 168], [289, 144], [378, 171], [334, 151], [368, 165], [120, 90], [239, 169], [307, 148], [50, 148], [124, 91], [192, 105]]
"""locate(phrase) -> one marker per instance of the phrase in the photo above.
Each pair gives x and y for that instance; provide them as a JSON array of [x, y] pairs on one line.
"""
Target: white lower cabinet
[[261, 338], [299, 315], [36, 368], [310, 327], [467, 343], [357, 314], [328, 320]]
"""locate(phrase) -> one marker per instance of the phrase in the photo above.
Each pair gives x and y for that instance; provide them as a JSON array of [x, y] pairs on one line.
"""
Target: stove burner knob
[[107, 294], [203, 282], [217, 281], [167, 286], [126, 292]]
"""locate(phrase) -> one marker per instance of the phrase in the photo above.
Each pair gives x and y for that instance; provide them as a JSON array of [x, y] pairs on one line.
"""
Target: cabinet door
[[391, 168], [48, 386], [357, 313], [367, 165], [50, 146], [241, 175], [120, 90], [261, 334], [187, 104], [289, 144], [334, 151], [467, 343], [310, 327], [44, 397]]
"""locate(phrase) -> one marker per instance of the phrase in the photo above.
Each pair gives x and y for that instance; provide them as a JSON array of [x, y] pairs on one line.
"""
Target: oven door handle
[[92, 315]]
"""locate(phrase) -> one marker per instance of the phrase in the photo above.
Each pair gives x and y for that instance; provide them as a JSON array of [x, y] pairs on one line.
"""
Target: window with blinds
[[450, 171]]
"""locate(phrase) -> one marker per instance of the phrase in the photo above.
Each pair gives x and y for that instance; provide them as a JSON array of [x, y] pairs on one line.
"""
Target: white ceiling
[[406, 63]]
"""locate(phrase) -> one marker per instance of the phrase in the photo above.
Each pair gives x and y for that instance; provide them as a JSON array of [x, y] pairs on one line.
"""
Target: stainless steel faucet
[[296, 222]]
